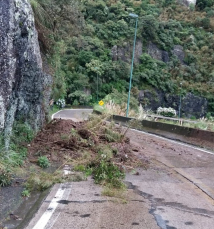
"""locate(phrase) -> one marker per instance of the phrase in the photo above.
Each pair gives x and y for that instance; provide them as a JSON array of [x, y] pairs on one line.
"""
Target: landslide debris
[[84, 143]]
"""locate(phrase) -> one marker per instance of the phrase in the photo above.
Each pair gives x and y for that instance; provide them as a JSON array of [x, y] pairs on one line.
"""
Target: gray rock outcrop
[[24, 88], [164, 56], [178, 51], [157, 53], [191, 105], [124, 52]]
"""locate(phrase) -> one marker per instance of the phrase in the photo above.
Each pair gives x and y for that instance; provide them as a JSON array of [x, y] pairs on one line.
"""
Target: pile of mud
[[63, 139]]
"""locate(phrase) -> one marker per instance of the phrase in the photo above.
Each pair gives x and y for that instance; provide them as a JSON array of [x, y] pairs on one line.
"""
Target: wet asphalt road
[[176, 192], [179, 183], [74, 114]]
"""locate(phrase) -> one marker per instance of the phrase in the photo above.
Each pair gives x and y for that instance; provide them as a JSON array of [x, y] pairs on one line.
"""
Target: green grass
[[15, 155], [43, 162], [53, 110]]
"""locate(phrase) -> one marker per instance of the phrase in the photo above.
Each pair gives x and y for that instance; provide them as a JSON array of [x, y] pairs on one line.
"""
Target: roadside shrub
[[22, 133], [106, 172], [60, 103], [5, 177], [43, 162], [25, 193], [167, 112]]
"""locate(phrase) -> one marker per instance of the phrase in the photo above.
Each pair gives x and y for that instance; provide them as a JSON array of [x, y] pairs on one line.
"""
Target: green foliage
[[121, 98], [83, 33], [25, 193], [79, 98], [80, 168], [107, 173], [5, 177], [22, 133], [15, 155], [202, 4], [41, 181], [43, 162]]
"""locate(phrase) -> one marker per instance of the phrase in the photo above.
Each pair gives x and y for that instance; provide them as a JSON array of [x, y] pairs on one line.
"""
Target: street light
[[96, 68], [179, 114], [97, 87], [130, 82]]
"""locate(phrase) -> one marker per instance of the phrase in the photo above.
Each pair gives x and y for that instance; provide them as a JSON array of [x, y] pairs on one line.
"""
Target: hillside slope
[[94, 39]]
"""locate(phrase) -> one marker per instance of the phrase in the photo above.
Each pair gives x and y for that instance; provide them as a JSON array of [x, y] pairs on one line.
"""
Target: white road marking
[[43, 221], [41, 224], [173, 141], [54, 221], [54, 114]]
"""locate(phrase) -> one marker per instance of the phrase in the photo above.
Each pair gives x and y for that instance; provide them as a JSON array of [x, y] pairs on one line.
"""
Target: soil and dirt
[[62, 140]]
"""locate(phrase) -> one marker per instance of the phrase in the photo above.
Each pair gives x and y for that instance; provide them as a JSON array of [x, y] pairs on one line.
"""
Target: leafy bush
[[202, 4], [168, 112], [22, 133], [43, 162], [106, 172], [60, 103], [5, 177], [25, 193]]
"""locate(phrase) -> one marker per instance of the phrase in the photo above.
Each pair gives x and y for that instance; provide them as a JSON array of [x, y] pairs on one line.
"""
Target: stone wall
[[24, 88]]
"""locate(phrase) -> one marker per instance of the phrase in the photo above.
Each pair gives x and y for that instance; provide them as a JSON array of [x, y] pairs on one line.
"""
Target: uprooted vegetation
[[96, 147]]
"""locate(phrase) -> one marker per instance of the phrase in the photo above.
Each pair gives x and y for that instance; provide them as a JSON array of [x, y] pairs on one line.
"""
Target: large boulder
[[24, 88]]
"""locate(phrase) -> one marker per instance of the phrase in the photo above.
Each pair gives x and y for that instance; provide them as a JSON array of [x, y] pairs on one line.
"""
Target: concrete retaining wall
[[193, 136]]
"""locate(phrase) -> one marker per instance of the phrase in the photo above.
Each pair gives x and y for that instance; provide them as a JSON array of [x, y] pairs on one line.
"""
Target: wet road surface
[[178, 184], [74, 114]]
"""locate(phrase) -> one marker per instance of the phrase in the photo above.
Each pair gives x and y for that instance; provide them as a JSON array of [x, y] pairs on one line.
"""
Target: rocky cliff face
[[191, 105], [24, 88], [157, 53], [164, 56], [124, 52]]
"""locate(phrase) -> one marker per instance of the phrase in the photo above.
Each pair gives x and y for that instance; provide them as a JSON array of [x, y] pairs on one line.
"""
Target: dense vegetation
[[79, 38]]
